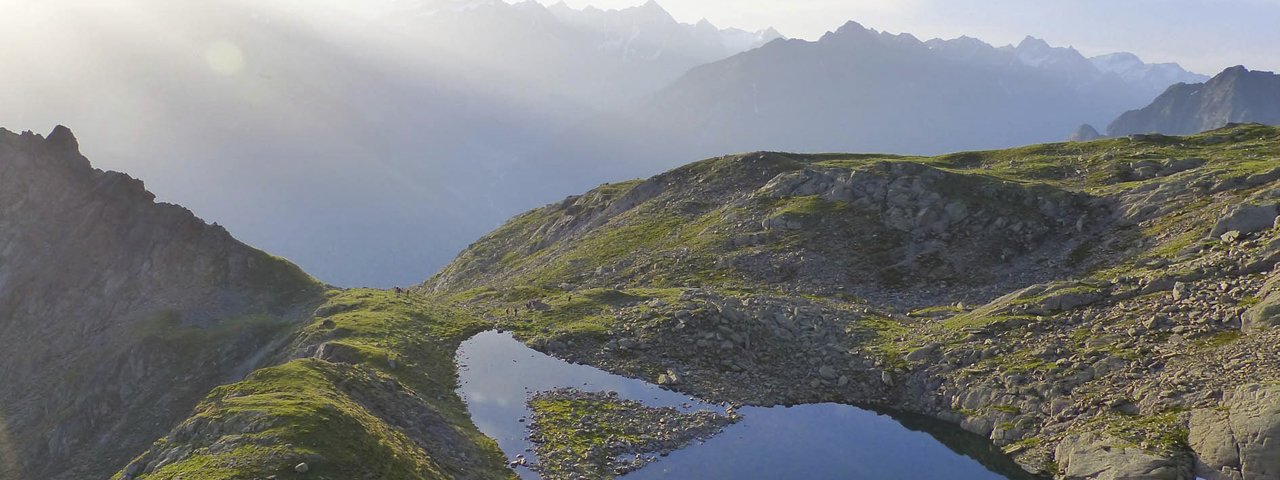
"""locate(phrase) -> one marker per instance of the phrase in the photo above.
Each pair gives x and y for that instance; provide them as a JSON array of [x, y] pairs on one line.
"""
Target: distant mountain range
[[858, 89], [371, 141], [588, 57], [1154, 77], [1236, 95], [648, 32], [388, 117]]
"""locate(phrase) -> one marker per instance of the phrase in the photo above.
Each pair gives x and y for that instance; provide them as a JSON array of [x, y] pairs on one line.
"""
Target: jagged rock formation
[[1236, 95], [1084, 306], [117, 314]]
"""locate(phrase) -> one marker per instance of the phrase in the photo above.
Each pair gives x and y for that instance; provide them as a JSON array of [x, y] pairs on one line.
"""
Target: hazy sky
[[1203, 35]]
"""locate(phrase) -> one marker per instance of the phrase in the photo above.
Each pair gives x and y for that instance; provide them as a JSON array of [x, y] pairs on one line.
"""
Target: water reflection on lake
[[822, 441]]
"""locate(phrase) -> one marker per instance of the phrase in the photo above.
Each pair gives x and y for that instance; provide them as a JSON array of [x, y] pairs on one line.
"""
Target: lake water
[[822, 441]]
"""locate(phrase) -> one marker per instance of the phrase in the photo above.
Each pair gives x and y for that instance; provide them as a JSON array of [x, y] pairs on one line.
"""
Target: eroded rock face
[[1240, 440], [926, 202], [1096, 457], [116, 313], [1266, 314]]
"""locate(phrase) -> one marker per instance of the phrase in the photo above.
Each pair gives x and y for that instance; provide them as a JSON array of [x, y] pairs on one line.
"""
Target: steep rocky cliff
[[1236, 95], [1099, 310], [117, 313]]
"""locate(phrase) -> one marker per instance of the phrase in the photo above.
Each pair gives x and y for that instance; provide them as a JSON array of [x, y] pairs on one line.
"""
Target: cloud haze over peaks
[[1206, 36]]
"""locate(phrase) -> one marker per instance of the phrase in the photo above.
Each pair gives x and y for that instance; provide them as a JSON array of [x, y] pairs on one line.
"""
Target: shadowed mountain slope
[[116, 313], [1236, 95]]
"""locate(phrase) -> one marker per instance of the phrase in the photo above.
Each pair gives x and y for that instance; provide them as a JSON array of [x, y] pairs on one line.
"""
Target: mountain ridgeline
[[1236, 95], [858, 89], [117, 314], [1096, 310], [393, 116]]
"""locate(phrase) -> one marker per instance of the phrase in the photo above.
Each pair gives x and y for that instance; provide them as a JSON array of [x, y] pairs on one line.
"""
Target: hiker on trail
[[399, 290]]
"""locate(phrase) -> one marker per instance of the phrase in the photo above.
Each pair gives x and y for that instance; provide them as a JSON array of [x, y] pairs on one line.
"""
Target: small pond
[[820, 441]]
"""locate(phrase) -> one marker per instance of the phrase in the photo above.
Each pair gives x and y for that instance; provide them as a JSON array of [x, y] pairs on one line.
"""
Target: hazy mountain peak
[[651, 10], [1033, 43], [850, 28], [1084, 133], [967, 40], [1236, 95], [1153, 77], [1039, 48], [1263, 85], [1119, 57], [62, 138], [1236, 71], [850, 33]]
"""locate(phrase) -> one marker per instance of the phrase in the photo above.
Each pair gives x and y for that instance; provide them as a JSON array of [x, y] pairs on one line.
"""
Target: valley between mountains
[[1096, 310]]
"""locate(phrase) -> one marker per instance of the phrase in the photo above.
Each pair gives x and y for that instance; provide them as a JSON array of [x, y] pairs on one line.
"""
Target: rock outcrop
[[1238, 440], [1096, 457], [1266, 313], [1246, 219], [117, 313]]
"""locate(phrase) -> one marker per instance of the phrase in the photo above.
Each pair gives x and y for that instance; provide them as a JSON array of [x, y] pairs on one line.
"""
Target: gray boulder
[[339, 353], [1092, 456], [1266, 313], [1242, 440], [1246, 219]]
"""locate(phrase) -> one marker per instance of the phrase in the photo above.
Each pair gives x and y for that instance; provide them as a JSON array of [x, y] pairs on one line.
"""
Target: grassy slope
[[345, 420], [652, 250], [521, 252], [664, 244]]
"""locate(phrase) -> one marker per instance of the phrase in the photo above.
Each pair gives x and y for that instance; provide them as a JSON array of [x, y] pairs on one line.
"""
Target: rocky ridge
[[137, 341], [117, 313], [1234, 96]]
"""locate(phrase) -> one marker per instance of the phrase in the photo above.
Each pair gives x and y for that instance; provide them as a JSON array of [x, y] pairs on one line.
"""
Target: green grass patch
[[346, 419]]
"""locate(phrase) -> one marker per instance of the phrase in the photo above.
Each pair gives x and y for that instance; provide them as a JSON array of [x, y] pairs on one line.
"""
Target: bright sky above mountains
[[1206, 36]]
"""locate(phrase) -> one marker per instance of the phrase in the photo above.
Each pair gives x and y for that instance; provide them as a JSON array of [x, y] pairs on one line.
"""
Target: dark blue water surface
[[822, 441]]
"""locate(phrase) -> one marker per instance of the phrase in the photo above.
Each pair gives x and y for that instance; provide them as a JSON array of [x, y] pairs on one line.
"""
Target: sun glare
[[224, 58]]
